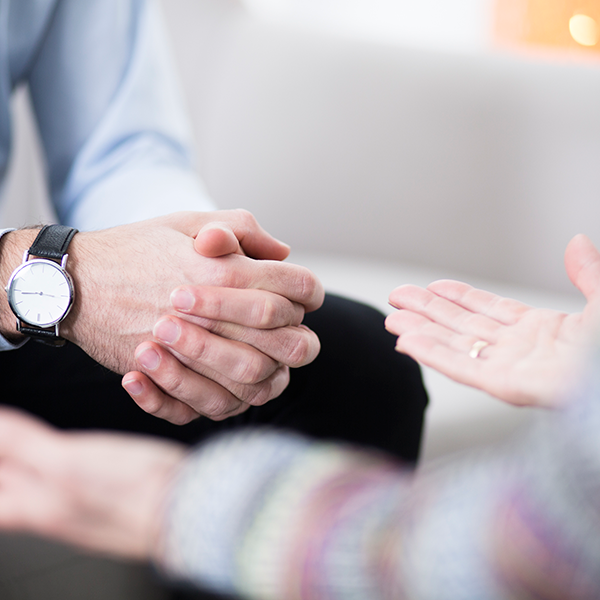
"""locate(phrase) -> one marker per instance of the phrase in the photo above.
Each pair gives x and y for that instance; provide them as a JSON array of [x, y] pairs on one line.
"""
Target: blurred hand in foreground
[[100, 491]]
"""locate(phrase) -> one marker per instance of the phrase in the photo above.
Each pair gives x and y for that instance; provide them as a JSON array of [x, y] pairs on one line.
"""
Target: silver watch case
[[13, 294]]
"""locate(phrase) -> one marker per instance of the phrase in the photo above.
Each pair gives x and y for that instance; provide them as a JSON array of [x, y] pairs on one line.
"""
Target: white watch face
[[40, 293]]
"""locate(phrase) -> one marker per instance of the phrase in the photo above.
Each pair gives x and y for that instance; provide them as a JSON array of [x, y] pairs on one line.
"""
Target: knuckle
[[251, 371], [199, 345], [299, 349], [298, 315], [216, 406], [152, 407], [307, 283], [174, 383], [181, 419], [272, 387], [259, 394], [209, 303], [214, 274], [245, 217], [267, 314]]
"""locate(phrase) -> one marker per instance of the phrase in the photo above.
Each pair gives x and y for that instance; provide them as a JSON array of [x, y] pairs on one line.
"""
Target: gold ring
[[477, 347]]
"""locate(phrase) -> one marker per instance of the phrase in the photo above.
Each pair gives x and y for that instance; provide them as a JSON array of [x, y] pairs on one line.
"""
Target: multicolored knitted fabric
[[273, 516]]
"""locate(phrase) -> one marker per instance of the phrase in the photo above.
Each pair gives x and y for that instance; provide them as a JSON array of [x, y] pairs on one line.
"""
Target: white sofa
[[384, 164]]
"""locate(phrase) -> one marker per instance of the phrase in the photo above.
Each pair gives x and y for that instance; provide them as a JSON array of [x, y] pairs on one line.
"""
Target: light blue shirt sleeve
[[116, 136], [4, 343]]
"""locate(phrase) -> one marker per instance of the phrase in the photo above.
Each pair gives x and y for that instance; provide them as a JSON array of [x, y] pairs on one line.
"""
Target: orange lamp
[[552, 24]]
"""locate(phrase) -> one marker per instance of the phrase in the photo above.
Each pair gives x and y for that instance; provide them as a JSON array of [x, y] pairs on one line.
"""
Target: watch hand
[[39, 294]]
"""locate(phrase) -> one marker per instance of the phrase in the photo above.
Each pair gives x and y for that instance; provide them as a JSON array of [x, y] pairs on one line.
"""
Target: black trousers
[[358, 389]]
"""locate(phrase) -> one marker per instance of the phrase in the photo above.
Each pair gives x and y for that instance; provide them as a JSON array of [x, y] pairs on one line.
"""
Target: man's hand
[[101, 491], [243, 340], [531, 351], [124, 278]]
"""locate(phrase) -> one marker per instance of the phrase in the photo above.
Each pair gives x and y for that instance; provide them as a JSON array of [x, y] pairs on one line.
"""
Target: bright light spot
[[584, 30]]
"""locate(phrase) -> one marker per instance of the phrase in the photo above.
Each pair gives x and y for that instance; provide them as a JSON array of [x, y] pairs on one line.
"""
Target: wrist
[[12, 247], [83, 267]]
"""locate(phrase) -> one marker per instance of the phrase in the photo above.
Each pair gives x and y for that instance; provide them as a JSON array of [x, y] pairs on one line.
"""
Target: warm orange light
[[561, 24]]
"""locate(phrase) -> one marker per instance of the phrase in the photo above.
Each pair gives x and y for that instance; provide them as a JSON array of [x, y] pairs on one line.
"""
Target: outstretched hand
[[530, 351]]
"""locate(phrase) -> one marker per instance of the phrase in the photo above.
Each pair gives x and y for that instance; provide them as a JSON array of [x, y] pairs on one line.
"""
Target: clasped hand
[[196, 309]]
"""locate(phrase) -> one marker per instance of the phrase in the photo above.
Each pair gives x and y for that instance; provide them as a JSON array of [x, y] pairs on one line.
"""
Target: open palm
[[531, 351]]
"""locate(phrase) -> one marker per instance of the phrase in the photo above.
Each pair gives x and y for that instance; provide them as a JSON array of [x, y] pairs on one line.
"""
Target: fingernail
[[149, 359], [167, 331], [133, 386], [182, 300]]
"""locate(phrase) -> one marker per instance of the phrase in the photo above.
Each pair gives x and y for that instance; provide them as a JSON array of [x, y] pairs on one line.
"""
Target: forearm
[[265, 516]]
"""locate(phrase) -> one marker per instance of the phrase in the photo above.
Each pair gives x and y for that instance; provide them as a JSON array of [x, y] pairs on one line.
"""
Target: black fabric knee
[[359, 389]]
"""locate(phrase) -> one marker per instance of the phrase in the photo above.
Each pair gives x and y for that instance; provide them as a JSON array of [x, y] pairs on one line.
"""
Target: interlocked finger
[[198, 393], [204, 352], [249, 307]]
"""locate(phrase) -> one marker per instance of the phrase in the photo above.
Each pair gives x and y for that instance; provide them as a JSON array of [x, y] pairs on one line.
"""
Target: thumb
[[239, 233], [254, 240], [217, 239], [582, 262]]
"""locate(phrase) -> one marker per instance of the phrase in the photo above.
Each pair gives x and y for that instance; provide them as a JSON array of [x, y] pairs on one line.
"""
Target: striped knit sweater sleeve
[[273, 516]]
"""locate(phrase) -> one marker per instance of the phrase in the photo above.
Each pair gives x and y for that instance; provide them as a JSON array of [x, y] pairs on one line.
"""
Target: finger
[[445, 312], [235, 360], [217, 239], [249, 307], [504, 310], [151, 399], [211, 394], [201, 394], [291, 346], [582, 262], [294, 282], [154, 401], [407, 323], [254, 240]]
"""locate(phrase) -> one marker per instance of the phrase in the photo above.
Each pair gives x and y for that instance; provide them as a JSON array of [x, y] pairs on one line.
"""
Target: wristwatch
[[40, 291]]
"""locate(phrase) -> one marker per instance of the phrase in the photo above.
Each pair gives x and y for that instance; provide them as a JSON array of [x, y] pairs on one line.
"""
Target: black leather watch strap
[[52, 241], [46, 336]]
